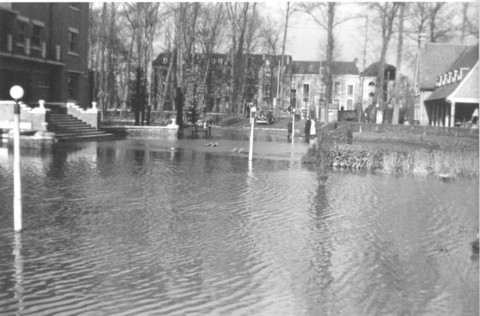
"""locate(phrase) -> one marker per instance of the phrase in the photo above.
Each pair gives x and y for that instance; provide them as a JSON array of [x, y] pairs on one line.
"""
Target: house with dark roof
[[446, 84], [369, 76], [307, 88]]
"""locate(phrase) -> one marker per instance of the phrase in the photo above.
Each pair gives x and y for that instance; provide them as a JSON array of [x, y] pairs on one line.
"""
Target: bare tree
[[324, 14], [210, 31], [398, 74], [143, 19], [434, 18], [387, 12], [238, 16]]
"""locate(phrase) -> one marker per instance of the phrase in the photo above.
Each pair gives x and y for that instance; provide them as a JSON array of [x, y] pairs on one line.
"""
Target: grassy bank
[[443, 154]]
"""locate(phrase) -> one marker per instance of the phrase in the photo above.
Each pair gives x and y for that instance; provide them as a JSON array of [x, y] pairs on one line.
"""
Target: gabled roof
[[467, 59], [303, 67], [313, 67], [435, 59]]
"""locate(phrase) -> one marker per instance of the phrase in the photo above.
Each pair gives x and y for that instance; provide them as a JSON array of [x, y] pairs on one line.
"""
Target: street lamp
[[16, 92]]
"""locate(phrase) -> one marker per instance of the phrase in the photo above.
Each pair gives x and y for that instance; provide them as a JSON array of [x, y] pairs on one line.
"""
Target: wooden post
[[452, 115]]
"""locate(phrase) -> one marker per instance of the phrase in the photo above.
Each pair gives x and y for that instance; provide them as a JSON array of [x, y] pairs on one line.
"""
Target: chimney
[[422, 39]]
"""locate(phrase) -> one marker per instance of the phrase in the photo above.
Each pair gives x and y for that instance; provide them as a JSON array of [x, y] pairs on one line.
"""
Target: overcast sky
[[306, 39]]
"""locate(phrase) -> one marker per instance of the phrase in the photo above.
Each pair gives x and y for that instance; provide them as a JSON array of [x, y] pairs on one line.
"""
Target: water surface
[[173, 227]]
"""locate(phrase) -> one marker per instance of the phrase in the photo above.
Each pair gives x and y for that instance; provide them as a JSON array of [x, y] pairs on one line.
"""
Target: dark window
[[72, 86], [36, 34], [42, 79], [72, 41], [306, 90], [350, 89], [21, 32]]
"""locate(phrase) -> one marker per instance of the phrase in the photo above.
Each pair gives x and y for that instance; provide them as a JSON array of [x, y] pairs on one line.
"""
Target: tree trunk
[[396, 103], [330, 47]]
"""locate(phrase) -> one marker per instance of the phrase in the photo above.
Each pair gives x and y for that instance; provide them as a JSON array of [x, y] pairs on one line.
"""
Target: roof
[[313, 67], [372, 71], [436, 59], [467, 59]]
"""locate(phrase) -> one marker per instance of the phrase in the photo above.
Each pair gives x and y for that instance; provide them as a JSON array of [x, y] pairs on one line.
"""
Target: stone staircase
[[67, 127]]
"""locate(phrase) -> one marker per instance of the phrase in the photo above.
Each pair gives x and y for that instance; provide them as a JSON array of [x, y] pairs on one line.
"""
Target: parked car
[[264, 117]]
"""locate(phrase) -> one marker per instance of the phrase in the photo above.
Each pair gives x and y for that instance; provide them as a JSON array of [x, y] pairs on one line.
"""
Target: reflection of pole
[[293, 127], [18, 264], [252, 125]]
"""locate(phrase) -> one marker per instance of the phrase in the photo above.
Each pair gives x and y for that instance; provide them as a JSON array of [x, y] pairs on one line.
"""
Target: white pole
[[16, 92], [17, 189]]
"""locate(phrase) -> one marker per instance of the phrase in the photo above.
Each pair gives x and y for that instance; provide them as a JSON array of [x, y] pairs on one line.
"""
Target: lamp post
[[16, 92]]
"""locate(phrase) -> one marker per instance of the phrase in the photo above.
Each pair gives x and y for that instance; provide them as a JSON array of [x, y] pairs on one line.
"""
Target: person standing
[[308, 124], [313, 129]]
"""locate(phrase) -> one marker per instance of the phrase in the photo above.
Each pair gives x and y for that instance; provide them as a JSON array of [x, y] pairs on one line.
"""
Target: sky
[[305, 36]]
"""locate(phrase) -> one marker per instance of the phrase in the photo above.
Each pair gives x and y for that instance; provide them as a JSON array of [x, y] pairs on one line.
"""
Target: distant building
[[306, 92], [446, 84], [44, 49], [214, 94], [370, 82]]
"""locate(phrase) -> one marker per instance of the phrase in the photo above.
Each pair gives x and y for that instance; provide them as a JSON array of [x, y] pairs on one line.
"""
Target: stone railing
[[33, 119], [37, 118], [90, 116]]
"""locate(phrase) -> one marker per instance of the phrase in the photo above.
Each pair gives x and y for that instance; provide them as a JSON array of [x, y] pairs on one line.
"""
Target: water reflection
[[176, 227], [18, 264]]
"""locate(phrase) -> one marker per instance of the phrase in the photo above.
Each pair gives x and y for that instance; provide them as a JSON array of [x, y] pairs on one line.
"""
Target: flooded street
[[175, 227]]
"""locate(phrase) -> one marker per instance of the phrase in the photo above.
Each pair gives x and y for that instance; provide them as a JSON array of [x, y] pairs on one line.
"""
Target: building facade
[[445, 83], [208, 83], [44, 49], [304, 87]]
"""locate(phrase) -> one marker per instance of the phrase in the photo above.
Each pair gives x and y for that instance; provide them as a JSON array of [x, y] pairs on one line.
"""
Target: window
[[322, 73], [306, 90], [21, 32], [36, 35], [350, 89], [293, 85], [42, 79], [349, 104], [72, 86], [336, 88], [72, 40]]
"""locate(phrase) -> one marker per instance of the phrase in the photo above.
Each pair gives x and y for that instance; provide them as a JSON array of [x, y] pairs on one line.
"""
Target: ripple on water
[[129, 231]]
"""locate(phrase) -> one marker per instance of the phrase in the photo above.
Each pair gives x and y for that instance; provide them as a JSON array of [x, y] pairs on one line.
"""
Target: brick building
[[215, 93], [44, 49]]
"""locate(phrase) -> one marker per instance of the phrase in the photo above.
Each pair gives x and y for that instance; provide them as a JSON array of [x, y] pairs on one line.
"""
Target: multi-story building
[[44, 49], [213, 92], [306, 92]]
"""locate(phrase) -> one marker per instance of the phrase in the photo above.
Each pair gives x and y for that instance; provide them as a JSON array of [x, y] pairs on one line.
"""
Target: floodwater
[[174, 227]]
